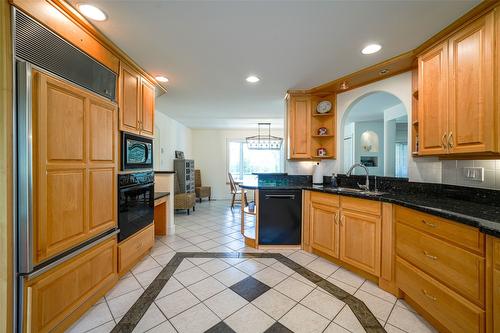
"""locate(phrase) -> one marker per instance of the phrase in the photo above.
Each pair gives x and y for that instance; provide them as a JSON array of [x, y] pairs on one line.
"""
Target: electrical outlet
[[474, 174]]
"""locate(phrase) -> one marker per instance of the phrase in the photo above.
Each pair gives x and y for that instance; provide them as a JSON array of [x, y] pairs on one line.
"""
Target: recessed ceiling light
[[372, 48], [384, 71], [253, 79], [92, 12], [161, 79]]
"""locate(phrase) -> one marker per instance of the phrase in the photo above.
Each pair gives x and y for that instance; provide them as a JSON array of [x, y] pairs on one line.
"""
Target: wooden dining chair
[[236, 191]]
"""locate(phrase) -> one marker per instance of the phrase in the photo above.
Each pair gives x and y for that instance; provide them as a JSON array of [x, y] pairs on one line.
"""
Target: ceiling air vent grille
[[36, 44]]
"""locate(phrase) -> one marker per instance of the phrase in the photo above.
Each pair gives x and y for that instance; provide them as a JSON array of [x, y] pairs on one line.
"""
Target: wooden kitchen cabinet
[[471, 89], [133, 248], [440, 266], [345, 228], [493, 284], [136, 100], [324, 228], [74, 165], [360, 235], [299, 126], [55, 299], [456, 97], [432, 100], [147, 108]]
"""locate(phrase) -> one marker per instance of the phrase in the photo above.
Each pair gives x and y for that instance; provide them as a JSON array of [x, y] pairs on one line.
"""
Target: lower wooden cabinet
[[324, 228], [493, 284], [345, 228], [360, 234], [452, 311], [134, 248], [55, 299]]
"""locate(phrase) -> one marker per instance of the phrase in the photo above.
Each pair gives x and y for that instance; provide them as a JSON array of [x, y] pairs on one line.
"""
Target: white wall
[[170, 135], [210, 155]]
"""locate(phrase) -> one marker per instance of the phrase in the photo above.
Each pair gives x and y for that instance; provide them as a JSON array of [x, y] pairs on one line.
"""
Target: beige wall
[[5, 169], [210, 155]]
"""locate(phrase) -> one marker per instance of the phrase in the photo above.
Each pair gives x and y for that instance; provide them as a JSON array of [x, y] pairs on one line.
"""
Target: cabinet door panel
[[360, 243], [63, 113], [324, 229], [471, 109], [130, 86], [102, 198], [432, 102], [300, 127], [147, 108], [64, 225], [102, 132]]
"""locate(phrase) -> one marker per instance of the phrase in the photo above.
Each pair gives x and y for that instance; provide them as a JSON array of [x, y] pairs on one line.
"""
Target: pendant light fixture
[[264, 141]]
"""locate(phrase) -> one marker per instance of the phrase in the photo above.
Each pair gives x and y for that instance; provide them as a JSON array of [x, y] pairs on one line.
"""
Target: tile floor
[[210, 294]]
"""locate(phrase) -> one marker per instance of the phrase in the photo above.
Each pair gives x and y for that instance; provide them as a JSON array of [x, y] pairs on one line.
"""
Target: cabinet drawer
[[53, 296], [325, 198], [131, 249], [460, 269], [448, 308], [460, 234], [362, 205]]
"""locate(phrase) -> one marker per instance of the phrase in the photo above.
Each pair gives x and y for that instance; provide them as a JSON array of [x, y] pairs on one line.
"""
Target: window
[[401, 159], [243, 161]]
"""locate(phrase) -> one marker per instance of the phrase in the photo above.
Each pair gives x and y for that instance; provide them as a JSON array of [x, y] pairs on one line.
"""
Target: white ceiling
[[208, 48]]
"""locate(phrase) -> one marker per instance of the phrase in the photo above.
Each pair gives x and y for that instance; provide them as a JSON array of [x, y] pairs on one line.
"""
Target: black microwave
[[137, 152]]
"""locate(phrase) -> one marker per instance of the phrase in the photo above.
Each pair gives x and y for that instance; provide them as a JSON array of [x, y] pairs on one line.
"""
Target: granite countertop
[[159, 195], [482, 216], [164, 171]]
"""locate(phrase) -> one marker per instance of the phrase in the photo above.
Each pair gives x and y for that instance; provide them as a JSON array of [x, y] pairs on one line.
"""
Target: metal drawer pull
[[429, 296], [336, 218], [430, 255], [432, 225]]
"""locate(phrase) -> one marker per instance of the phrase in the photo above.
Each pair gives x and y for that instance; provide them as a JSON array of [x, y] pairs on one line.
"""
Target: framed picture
[[179, 154]]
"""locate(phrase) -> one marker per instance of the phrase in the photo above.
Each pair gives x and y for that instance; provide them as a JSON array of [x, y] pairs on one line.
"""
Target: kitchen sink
[[358, 190]]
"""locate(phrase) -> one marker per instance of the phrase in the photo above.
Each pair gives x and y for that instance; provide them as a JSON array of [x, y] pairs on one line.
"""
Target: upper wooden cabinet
[[471, 89], [432, 102], [136, 101], [304, 124], [299, 127], [456, 98], [75, 165]]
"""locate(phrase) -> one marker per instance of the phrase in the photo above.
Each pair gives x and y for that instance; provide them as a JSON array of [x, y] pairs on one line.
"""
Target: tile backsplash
[[453, 173]]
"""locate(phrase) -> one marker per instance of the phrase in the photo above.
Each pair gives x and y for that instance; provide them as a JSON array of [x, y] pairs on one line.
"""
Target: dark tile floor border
[[135, 313]]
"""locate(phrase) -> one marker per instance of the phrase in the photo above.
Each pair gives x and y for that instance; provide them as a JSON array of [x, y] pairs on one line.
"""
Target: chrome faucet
[[365, 187]]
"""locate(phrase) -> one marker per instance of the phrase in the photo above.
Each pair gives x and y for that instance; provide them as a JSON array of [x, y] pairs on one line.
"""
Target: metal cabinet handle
[[428, 255], [444, 144], [342, 220], [432, 225], [429, 296], [450, 140]]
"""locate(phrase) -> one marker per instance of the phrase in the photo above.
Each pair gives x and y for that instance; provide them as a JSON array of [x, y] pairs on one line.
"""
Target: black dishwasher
[[280, 215]]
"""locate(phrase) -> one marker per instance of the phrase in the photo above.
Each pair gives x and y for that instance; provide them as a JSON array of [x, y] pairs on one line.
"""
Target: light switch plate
[[474, 174]]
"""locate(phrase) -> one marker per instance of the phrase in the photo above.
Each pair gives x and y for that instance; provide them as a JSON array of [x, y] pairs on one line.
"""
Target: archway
[[374, 132]]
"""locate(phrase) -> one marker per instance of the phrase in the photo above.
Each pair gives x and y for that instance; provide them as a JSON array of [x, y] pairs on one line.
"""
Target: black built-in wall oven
[[135, 202], [137, 152]]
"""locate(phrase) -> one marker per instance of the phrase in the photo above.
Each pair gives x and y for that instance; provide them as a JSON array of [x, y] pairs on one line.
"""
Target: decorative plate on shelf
[[324, 107]]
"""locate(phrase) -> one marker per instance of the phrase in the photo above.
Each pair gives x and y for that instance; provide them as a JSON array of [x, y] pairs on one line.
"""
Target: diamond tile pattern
[[241, 294], [250, 288]]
